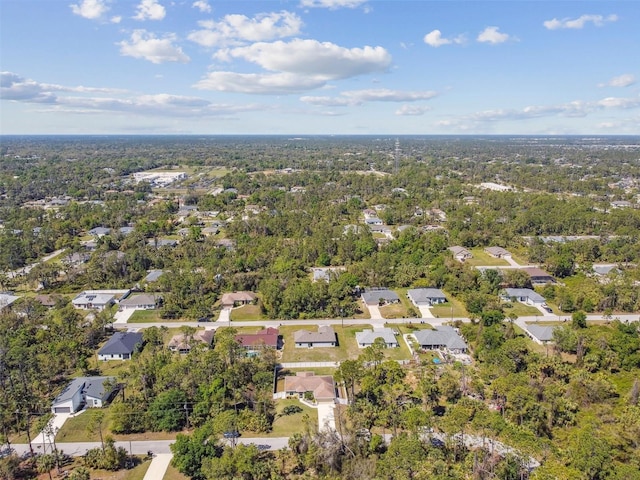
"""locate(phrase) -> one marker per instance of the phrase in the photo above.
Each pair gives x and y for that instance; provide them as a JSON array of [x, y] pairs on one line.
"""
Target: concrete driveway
[[374, 311], [158, 466], [46, 437], [326, 417], [425, 312]]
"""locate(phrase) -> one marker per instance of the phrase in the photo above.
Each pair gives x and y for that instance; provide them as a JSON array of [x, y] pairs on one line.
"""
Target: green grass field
[[480, 257], [145, 316], [247, 313], [443, 310]]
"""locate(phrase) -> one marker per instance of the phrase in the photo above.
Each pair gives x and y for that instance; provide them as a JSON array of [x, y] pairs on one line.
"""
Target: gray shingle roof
[[544, 333], [443, 336], [373, 296], [91, 387], [524, 292], [424, 295], [121, 343], [324, 334], [367, 337]]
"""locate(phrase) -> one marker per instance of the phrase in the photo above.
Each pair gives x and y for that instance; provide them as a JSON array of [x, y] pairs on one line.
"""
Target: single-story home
[[425, 297], [153, 275], [524, 295], [460, 253], [378, 296], [497, 252], [269, 337], [180, 343], [539, 276], [236, 299], [7, 299], [162, 242], [366, 338], [48, 301], [322, 386], [540, 333], [143, 301], [99, 232], [444, 337], [325, 274], [84, 391], [603, 270], [121, 346], [91, 300], [324, 337]]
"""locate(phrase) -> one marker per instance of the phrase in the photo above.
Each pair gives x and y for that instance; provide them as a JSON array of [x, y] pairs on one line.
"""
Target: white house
[[93, 300], [367, 338], [324, 337], [497, 252], [83, 391], [144, 301], [524, 295], [426, 297], [121, 346], [460, 253]]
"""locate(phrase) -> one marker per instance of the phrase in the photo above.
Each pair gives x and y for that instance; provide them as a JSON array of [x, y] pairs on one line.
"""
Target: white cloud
[[202, 5], [580, 22], [238, 29], [617, 102], [324, 60], [146, 45], [493, 36], [116, 19], [331, 4], [435, 39], [358, 97], [150, 10], [253, 83], [625, 80], [412, 110], [16, 88], [90, 9]]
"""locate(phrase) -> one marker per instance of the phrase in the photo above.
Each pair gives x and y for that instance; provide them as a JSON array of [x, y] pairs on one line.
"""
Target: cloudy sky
[[319, 67]]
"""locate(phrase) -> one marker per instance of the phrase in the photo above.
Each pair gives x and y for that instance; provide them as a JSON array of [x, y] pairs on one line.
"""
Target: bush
[[291, 410]]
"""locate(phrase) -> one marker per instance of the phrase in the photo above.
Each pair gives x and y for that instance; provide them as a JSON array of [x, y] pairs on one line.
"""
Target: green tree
[[579, 320]]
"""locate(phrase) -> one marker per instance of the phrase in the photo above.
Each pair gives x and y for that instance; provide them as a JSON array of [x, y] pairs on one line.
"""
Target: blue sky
[[319, 67]]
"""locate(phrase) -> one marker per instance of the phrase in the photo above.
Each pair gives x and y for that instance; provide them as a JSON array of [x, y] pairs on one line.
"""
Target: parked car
[[231, 434]]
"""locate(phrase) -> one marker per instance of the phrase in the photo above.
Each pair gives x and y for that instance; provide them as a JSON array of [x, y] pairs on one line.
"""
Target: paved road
[[25, 270]]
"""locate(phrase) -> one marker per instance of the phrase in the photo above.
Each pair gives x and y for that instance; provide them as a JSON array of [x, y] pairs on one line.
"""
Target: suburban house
[[497, 252], [235, 299], [366, 338], [182, 343], [460, 253], [539, 276], [604, 270], [322, 387], [209, 231], [425, 297], [91, 300], [84, 391], [153, 275], [540, 333], [269, 337], [143, 301], [121, 346], [99, 232], [524, 295], [379, 296], [48, 301], [324, 337], [6, 299], [442, 338], [162, 242], [373, 221]]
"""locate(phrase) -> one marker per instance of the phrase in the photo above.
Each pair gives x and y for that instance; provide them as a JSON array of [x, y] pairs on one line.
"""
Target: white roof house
[[7, 299], [460, 253], [93, 300], [367, 338], [540, 333]]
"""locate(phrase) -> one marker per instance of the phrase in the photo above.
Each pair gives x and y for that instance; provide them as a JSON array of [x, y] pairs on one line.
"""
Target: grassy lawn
[[145, 316], [136, 473], [411, 327], [443, 310], [522, 310], [480, 257], [287, 425], [347, 346], [247, 313], [394, 310], [173, 474]]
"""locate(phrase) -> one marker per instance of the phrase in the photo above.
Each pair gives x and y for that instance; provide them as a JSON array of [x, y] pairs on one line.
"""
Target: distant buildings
[[157, 178]]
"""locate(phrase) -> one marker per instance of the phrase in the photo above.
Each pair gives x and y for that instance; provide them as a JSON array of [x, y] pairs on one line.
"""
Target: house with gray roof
[[460, 253], [366, 338], [84, 391], [426, 297], [324, 337], [540, 333], [604, 270], [153, 275], [524, 295], [497, 252], [121, 346], [143, 301], [442, 338], [91, 300], [7, 299], [99, 232], [379, 296]]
